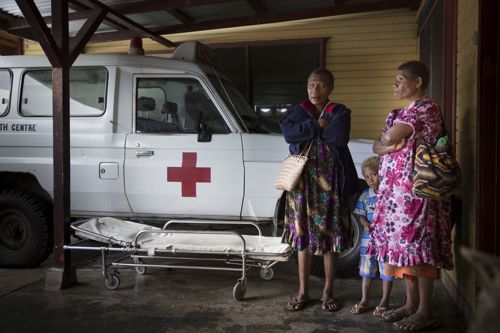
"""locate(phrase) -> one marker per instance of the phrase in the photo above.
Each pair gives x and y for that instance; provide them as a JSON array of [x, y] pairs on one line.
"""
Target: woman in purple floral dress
[[410, 234], [314, 211]]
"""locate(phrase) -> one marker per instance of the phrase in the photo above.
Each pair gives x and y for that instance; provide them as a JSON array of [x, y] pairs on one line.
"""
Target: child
[[368, 265]]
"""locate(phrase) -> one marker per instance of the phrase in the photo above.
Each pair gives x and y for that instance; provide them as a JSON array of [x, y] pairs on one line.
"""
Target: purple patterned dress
[[407, 230], [312, 210]]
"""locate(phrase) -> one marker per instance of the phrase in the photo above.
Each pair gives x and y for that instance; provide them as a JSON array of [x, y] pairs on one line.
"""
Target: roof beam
[[257, 7], [124, 9], [78, 7], [289, 16], [78, 43], [122, 19], [155, 5], [180, 15], [41, 31]]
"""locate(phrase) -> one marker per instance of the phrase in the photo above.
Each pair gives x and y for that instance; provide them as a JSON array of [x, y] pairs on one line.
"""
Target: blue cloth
[[299, 126], [369, 268]]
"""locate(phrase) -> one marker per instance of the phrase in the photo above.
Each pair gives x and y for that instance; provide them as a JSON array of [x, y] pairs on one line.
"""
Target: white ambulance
[[151, 139]]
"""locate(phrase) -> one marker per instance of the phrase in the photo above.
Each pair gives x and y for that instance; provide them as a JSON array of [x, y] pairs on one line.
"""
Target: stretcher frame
[[140, 259]]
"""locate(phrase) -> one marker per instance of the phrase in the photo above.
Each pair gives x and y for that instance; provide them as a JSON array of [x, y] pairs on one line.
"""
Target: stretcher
[[144, 246]]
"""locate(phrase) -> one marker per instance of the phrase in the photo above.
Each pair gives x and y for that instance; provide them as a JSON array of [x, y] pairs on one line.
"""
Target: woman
[[314, 210], [411, 235]]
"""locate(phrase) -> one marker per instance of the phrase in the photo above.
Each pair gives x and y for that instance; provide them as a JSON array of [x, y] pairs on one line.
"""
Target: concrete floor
[[189, 301]]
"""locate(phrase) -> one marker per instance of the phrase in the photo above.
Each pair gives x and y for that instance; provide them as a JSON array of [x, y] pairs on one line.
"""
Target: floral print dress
[[312, 210], [407, 230]]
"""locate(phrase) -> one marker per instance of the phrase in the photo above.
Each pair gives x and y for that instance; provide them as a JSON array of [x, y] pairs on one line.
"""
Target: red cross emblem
[[188, 174]]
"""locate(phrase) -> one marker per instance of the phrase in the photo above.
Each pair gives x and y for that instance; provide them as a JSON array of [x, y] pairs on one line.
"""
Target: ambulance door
[[182, 160]]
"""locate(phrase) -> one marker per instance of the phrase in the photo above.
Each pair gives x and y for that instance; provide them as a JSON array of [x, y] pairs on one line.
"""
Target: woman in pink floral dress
[[410, 234]]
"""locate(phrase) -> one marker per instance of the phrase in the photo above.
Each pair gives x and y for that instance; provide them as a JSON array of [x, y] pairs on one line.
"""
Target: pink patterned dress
[[407, 230]]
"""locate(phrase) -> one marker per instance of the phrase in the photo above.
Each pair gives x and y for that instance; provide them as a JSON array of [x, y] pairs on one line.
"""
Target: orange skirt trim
[[412, 272]]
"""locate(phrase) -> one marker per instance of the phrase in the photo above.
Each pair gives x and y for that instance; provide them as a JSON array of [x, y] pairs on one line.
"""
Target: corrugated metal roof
[[127, 18]]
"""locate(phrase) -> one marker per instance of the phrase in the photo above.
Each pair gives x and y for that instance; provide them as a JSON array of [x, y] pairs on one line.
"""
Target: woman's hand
[[323, 122], [397, 146], [392, 140]]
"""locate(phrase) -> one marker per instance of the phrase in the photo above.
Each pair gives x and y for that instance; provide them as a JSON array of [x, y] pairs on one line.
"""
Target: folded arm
[[393, 139], [297, 132], [338, 129]]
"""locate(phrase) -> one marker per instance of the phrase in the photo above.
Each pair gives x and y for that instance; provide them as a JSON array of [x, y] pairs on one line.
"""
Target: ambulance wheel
[[239, 291], [112, 282], [141, 270], [26, 237], [267, 273]]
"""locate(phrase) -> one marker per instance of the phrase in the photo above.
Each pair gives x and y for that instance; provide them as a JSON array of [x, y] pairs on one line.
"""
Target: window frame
[[11, 76], [21, 89], [213, 97], [248, 45]]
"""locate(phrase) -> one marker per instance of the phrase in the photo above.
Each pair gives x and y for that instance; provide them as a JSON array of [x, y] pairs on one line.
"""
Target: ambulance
[[151, 139]]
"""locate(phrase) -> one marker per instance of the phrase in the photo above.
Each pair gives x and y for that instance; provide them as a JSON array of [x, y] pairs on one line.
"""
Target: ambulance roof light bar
[[195, 52]]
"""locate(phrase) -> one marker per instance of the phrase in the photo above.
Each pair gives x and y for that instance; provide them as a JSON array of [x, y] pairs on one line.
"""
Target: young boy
[[368, 265]]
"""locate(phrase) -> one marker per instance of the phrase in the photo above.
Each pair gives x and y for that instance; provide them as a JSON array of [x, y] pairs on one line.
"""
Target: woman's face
[[407, 88], [318, 90], [371, 177]]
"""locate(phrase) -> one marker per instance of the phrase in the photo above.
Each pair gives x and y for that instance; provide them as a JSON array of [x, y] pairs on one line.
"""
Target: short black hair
[[416, 68], [330, 80]]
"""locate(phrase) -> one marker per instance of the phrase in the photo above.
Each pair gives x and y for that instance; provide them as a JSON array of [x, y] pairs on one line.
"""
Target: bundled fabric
[[436, 171], [291, 170]]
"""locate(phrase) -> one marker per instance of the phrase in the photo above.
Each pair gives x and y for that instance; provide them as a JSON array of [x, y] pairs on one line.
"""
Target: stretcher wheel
[[141, 270], [239, 291], [267, 273], [112, 282]]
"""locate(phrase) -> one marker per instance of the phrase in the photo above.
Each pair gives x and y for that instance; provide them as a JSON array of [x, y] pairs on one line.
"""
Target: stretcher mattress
[[121, 232]]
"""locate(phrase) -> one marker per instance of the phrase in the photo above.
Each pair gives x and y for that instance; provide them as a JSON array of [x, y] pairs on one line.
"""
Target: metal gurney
[[146, 246]]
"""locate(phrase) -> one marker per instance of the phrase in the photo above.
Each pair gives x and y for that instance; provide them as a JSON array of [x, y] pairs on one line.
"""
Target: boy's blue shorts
[[369, 268]]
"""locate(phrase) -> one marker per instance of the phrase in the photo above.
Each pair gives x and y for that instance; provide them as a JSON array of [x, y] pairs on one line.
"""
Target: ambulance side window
[[87, 92], [5, 88], [175, 105]]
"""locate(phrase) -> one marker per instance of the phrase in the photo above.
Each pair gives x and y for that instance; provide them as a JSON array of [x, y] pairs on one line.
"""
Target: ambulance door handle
[[141, 153]]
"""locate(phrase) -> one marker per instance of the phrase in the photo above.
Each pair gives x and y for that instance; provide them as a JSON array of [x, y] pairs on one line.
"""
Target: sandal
[[330, 304], [295, 304], [415, 324], [380, 310], [395, 315], [359, 309]]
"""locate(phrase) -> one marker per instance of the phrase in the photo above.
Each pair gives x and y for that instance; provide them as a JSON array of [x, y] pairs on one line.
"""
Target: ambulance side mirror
[[204, 134]]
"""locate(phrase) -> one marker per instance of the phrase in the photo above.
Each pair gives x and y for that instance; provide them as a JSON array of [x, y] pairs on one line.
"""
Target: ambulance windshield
[[243, 112]]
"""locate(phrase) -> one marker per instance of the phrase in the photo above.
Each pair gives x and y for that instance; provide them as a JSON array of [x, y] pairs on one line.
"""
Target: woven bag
[[291, 169], [436, 173], [292, 166]]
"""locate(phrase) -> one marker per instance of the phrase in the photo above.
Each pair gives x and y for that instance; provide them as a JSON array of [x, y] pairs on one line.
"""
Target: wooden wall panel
[[464, 234]]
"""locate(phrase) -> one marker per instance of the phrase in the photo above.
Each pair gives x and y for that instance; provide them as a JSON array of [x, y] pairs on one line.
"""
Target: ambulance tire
[[26, 236], [348, 259]]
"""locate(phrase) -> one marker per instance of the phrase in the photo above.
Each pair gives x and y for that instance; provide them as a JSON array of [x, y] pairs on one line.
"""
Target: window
[[271, 77], [175, 105], [87, 92], [5, 88]]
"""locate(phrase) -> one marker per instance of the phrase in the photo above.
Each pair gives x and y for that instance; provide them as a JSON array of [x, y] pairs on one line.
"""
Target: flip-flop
[[395, 315], [330, 304], [416, 325], [359, 309], [295, 304], [379, 311]]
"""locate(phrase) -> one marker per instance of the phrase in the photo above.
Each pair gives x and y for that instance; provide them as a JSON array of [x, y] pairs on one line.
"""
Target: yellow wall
[[465, 234], [363, 52]]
